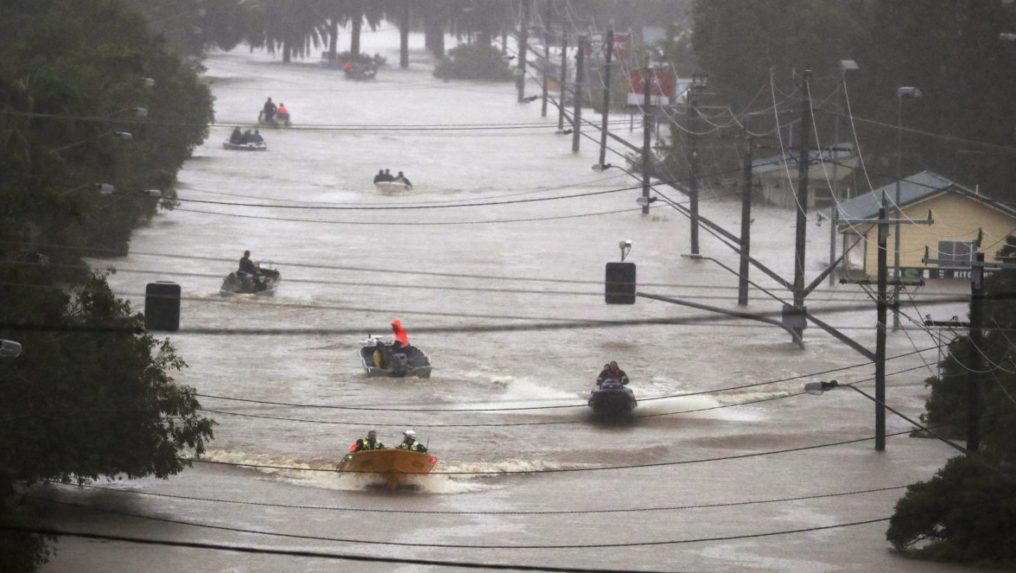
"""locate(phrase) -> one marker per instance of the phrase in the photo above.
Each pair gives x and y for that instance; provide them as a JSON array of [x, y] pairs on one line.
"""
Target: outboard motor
[[400, 363]]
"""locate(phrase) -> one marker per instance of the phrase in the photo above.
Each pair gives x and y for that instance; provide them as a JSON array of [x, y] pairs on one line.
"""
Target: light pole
[[901, 92], [834, 208]]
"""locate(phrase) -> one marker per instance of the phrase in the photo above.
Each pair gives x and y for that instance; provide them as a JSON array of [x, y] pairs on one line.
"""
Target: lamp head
[[908, 91], [817, 388], [848, 65]]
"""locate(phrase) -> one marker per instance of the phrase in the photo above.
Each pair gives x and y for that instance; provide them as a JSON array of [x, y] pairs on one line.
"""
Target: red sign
[[622, 46], [661, 83]]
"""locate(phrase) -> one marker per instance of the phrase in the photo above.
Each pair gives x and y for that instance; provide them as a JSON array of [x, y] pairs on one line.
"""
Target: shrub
[[474, 62]]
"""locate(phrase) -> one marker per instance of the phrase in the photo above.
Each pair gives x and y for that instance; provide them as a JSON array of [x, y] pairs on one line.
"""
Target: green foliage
[[966, 513], [92, 396], [474, 62]]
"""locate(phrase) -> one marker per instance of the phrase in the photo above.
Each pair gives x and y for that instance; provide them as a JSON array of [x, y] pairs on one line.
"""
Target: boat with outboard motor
[[249, 146], [391, 465], [612, 398], [241, 282], [392, 187], [380, 359], [279, 119]]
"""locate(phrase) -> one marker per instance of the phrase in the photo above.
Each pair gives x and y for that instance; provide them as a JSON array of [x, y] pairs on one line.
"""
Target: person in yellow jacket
[[409, 442]]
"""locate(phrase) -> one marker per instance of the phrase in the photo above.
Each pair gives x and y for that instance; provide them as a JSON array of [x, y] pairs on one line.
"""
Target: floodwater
[[711, 493]]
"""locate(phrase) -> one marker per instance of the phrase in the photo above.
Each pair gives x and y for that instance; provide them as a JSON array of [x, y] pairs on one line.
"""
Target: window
[[955, 253]]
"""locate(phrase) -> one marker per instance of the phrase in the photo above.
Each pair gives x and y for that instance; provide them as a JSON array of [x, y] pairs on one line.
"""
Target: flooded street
[[736, 480]]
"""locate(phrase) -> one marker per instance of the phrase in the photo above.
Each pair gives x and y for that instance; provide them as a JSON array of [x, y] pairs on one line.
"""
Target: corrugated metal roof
[[912, 189]]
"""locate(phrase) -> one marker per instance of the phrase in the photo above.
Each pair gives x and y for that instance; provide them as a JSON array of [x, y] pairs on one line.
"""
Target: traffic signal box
[[620, 283], [162, 306]]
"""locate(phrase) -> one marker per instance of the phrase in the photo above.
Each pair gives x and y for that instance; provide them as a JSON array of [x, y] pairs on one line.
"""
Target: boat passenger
[[388, 176], [403, 179], [237, 136], [256, 137], [247, 265], [611, 371], [369, 443], [380, 176], [269, 110], [409, 442], [248, 137], [401, 338]]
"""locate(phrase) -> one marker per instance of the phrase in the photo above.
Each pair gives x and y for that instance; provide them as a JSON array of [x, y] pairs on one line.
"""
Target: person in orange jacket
[[401, 338], [282, 111]]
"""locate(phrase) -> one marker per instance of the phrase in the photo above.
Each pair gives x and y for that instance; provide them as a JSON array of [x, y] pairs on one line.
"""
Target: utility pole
[[647, 133], [742, 283], [564, 80], [883, 231], [404, 35], [976, 358], [834, 204], [580, 77], [804, 157], [694, 195], [520, 79], [546, 58], [608, 48]]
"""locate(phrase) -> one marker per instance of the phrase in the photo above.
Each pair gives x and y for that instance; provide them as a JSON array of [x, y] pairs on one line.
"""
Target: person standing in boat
[[248, 266], [401, 342], [400, 178], [409, 442], [612, 371], [369, 443], [269, 111]]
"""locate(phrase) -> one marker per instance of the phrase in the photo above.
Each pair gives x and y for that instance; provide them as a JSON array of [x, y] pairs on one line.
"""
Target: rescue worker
[[269, 111], [403, 179], [247, 265], [409, 442], [369, 443], [611, 371], [282, 111], [237, 136], [401, 338]]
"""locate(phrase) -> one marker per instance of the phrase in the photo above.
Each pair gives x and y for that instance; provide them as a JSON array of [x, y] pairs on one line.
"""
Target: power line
[[600, 545], [300, 553], [564, 470], [305, 507]]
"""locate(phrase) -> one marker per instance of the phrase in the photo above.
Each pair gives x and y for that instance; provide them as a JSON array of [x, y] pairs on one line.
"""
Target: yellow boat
[[392, 464]]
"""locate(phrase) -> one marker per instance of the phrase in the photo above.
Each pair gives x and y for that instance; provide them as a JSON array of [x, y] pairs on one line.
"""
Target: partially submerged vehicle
[[249, 146], [392, 466], [360, 71], [240, 282], [379, 358], [612, 399]]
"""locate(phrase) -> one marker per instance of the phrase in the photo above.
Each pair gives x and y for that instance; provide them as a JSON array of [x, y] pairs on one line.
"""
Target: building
[[832, 165], [962, 218]]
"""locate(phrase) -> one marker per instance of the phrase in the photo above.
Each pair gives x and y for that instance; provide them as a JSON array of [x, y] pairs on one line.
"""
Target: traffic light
[[620, 283]]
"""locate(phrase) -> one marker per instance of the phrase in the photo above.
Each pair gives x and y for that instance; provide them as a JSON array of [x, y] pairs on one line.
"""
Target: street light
[[818, 388], [121, 135], [10, 349], [901, 92]]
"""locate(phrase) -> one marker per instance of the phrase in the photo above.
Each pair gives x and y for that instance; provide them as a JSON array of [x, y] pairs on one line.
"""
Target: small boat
[[360, 71], [401, 363], [392, 187], [278, 120], [393, 465], [240, 282], [612, 398], [251, 146]]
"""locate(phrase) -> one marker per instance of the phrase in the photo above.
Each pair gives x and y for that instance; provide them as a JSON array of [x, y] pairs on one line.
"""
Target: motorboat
[[392, 187], [241, 282], [612, 398], [393, 465], [280, 119], [360, 71], [249, 146], [399, 363]]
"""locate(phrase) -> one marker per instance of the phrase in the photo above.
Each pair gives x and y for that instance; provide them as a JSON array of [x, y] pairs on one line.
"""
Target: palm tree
[[292, 26]]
